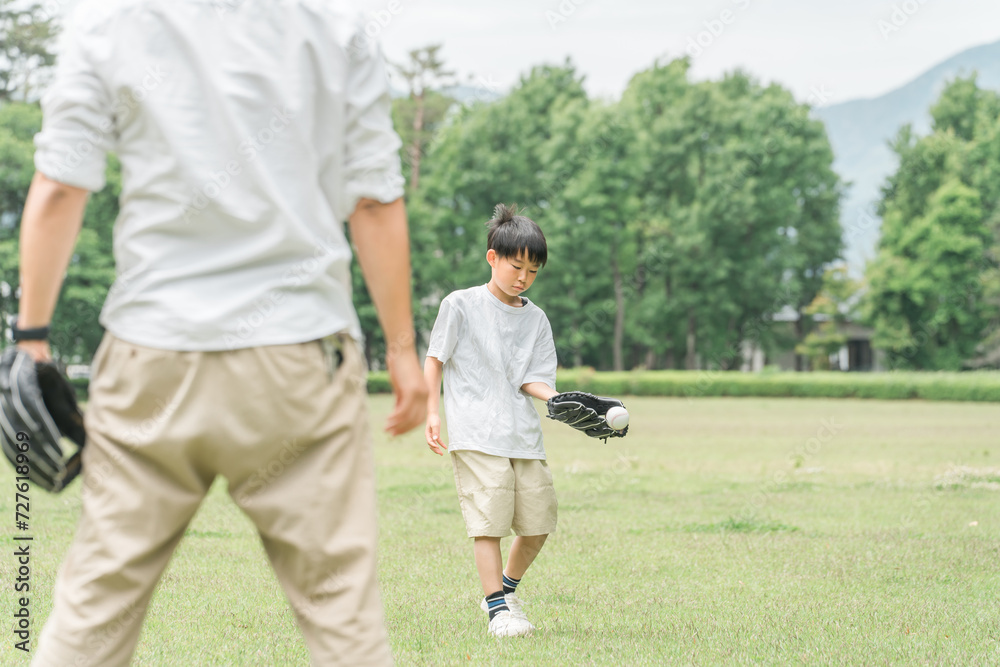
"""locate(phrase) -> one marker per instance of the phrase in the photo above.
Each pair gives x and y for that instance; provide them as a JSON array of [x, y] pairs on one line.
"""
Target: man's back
[[247, 132], [246, 136]]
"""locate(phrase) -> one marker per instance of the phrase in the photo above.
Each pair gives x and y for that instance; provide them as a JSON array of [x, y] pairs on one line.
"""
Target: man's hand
[[382, 246], [433, 434], [38, 350], [37, 410], [410, 390]]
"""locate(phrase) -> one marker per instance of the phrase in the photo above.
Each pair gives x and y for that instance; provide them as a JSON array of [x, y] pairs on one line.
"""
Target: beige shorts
[[497, 494]]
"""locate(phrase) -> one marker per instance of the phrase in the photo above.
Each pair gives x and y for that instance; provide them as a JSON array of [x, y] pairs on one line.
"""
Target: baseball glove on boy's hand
[[585, 412], [37, 408]]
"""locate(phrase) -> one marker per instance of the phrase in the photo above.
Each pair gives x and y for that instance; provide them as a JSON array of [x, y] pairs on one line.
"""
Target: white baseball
[[617, 418]]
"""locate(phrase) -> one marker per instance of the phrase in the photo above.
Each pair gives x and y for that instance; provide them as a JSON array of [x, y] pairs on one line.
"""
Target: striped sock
[[496, 603], [509, 585]]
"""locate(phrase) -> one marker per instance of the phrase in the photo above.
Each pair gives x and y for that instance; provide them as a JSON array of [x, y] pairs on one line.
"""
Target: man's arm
[[539, 390], [381, 238], [53, 215]]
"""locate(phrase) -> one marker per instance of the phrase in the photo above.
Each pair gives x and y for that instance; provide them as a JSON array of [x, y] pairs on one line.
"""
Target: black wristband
[[37, 333]]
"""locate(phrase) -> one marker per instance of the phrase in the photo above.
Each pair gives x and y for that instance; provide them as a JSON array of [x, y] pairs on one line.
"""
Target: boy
[[496, 350]]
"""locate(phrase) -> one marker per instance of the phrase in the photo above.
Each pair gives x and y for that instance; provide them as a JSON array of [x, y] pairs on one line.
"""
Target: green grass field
[[720, 531]]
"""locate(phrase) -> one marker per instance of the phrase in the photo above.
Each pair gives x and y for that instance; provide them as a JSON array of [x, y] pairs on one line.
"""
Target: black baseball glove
[[585, 412], [38, 408]]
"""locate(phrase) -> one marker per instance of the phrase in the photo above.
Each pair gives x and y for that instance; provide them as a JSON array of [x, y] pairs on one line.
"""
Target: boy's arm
[[539, 390], [53, 215], [542, 369], [381, 237], [432, 375]]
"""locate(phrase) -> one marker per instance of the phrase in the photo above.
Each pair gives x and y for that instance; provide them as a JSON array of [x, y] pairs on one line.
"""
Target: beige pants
[[287, 429]]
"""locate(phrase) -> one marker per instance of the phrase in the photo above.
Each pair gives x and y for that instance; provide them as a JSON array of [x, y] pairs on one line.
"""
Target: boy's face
[[513, 275]]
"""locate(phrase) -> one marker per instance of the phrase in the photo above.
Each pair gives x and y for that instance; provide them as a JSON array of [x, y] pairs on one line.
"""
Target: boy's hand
[[433, 434]]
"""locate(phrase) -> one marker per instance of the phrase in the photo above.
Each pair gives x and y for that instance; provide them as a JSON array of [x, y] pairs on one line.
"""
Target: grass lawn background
[[721, 530]]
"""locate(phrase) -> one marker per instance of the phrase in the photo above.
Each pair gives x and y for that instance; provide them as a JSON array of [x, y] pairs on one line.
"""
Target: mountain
[[860, 129]]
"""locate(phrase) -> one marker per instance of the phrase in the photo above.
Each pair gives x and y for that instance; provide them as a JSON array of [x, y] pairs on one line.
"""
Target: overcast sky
[[839, 47], [830, 50]]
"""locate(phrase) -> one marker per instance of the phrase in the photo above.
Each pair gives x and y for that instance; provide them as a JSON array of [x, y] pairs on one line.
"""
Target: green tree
[[679, 219], [76, 331], [418, 116], [834, 306], [18, 124], [739, 181], [926, 299], [485, 154], [934, 296], [26, 34], [591, 214], [957, 110]]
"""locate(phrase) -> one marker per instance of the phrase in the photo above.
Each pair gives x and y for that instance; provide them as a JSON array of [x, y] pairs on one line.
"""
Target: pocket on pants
[[332, 349]]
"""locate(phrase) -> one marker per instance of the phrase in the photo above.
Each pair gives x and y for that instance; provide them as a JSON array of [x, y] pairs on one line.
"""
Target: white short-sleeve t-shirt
[[489, 349]]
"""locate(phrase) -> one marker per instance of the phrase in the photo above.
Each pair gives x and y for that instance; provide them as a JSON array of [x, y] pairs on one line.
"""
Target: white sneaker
[[513, 603], [506, 624]]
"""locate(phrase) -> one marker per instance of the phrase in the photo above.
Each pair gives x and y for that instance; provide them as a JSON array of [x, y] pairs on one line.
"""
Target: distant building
[[857, 354], [76, 371]]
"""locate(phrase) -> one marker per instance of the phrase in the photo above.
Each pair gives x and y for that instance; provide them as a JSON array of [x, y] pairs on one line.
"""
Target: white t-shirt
[[490, 349], [247, 131]]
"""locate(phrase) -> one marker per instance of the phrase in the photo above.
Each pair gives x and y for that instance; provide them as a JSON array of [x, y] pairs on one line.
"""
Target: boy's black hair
[[510, 234]]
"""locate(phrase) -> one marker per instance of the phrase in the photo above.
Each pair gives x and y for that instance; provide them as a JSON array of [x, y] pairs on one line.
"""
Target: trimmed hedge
[[378, 382], [981, 386], [972, 386], [82, 387]]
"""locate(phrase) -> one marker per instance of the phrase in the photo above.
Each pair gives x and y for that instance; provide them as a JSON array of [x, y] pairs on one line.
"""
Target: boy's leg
[[522, 554], [503, 622], [535, 510], [485, 487], [489, 563]]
